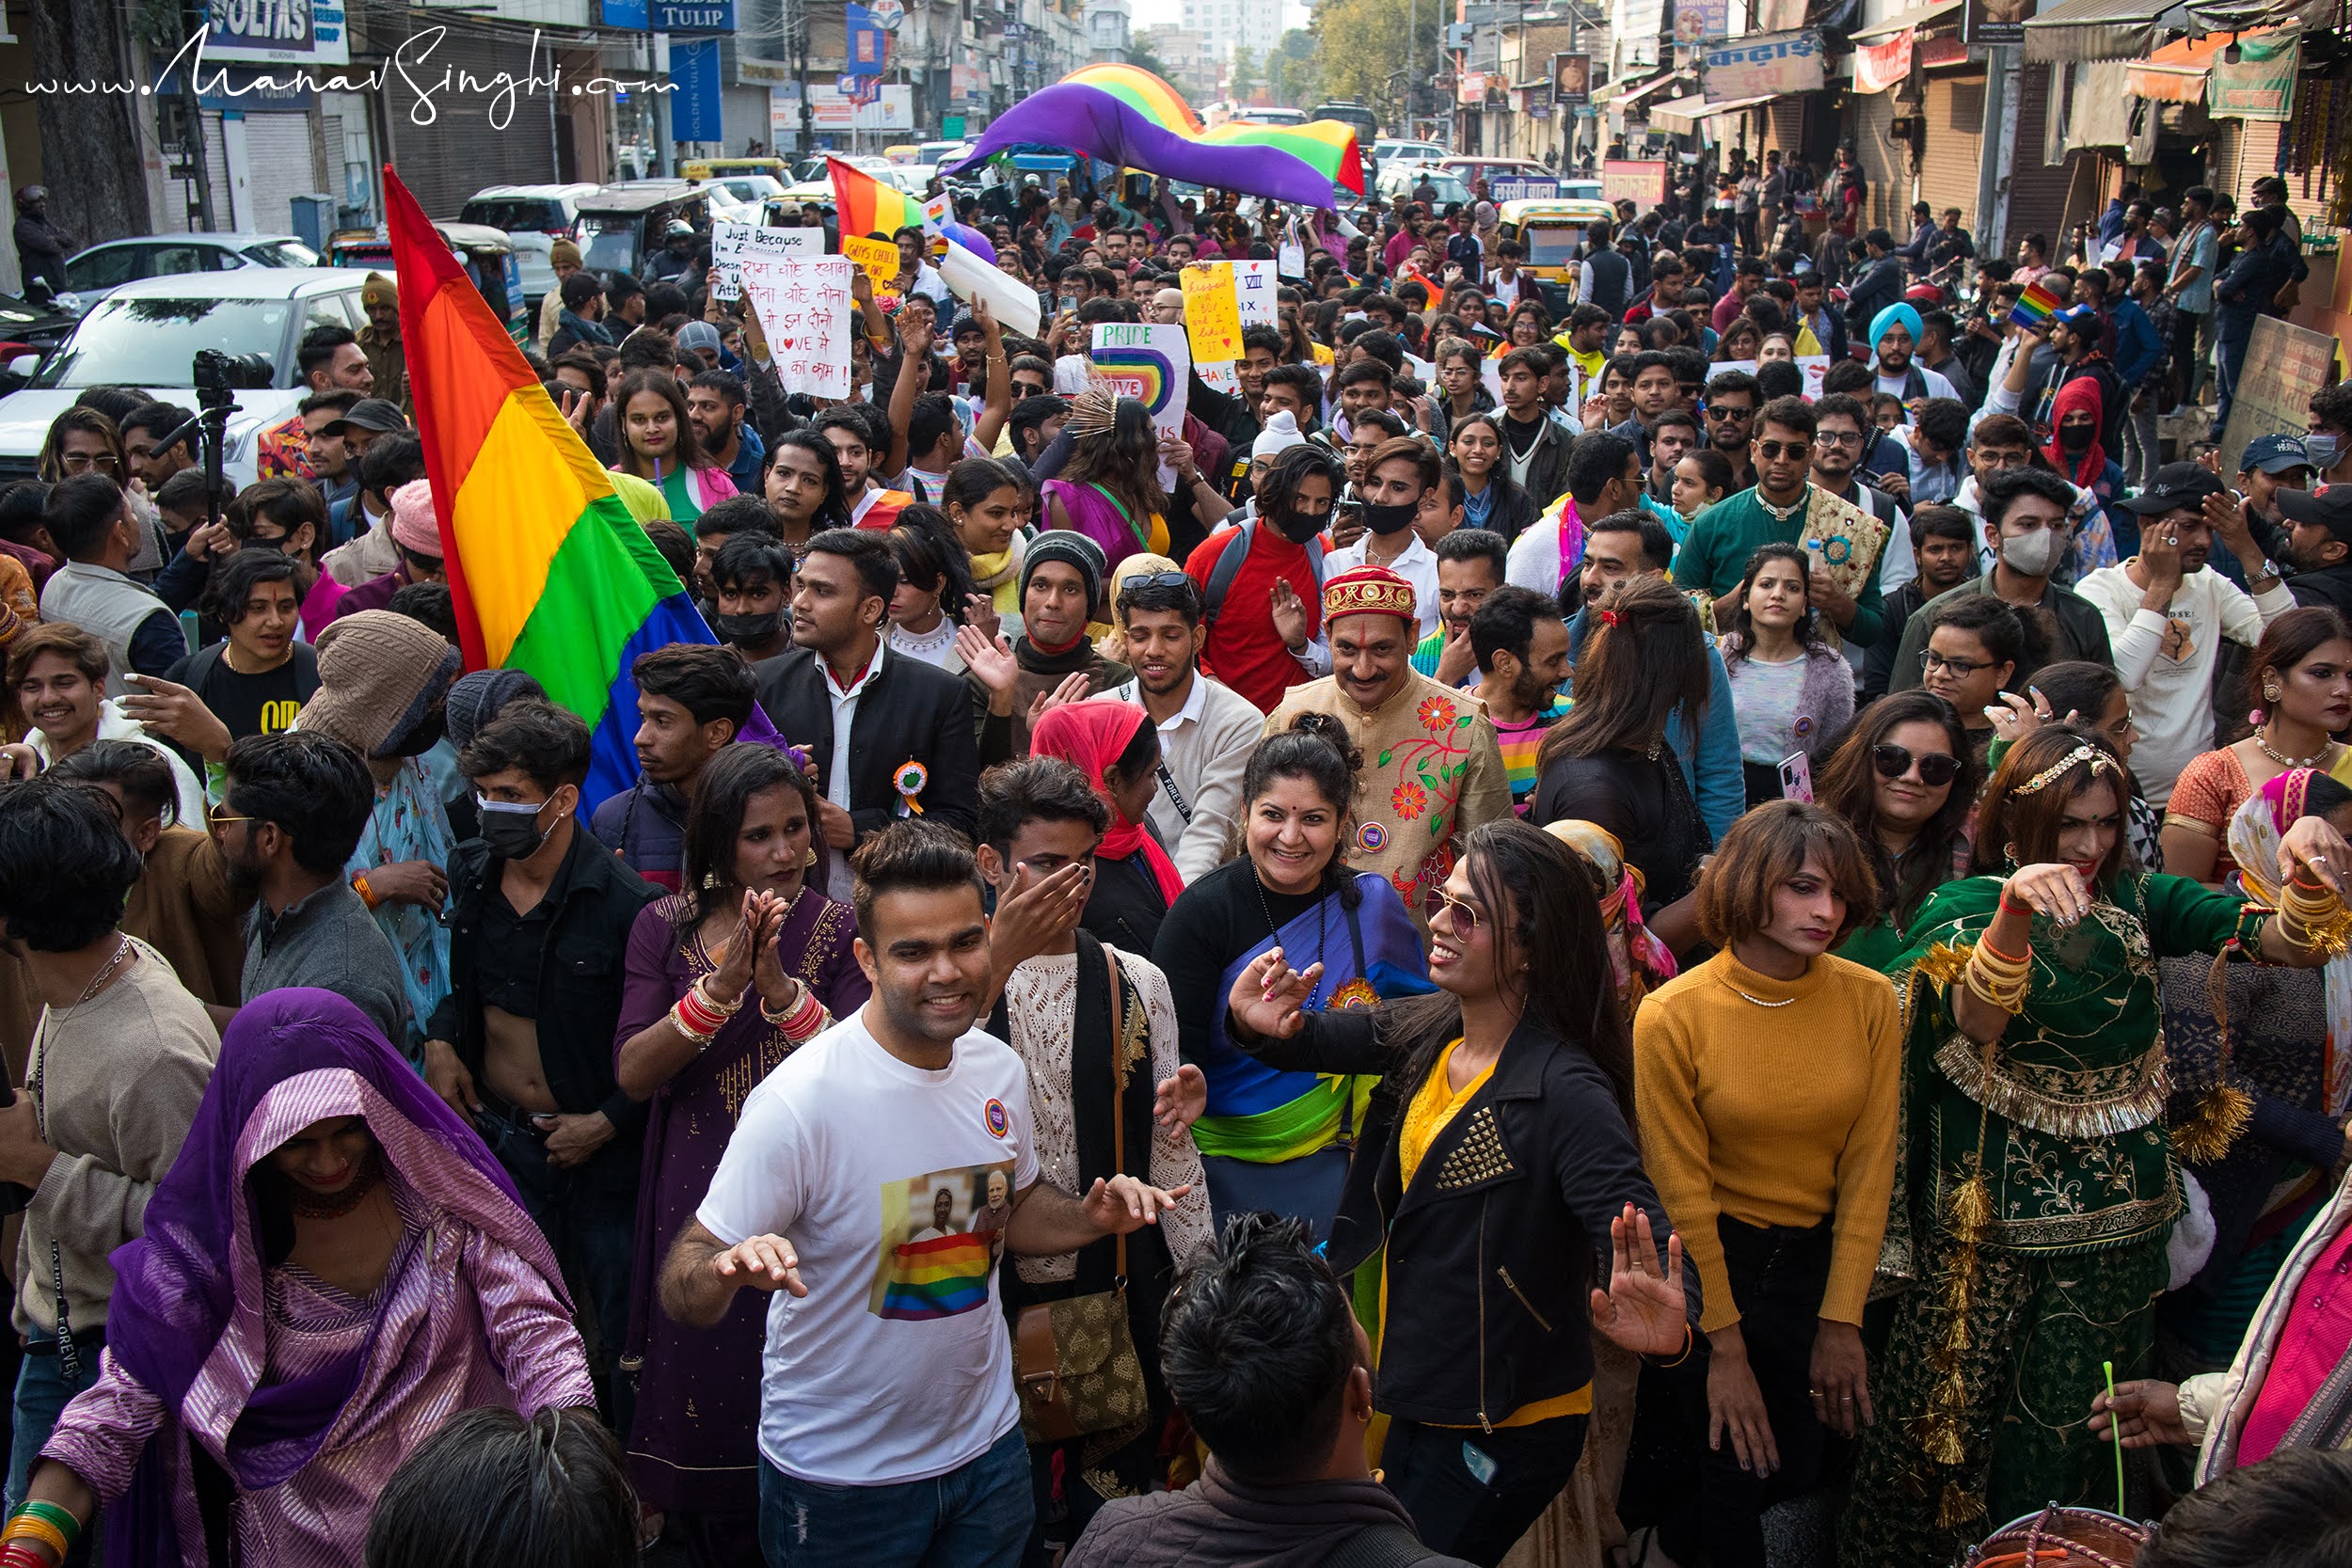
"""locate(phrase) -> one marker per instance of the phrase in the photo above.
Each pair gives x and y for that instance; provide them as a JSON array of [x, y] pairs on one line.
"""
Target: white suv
[[534, 218]]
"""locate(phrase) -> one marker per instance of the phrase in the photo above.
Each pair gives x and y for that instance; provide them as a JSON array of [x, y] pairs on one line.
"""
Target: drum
[[2062, 1538]]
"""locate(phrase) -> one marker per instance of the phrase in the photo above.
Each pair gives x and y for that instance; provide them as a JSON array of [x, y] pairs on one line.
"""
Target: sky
[[1159, 13]]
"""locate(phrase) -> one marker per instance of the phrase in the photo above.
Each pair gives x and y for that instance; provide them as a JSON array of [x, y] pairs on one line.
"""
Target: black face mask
[[1387, 519], [748, 631], [509, 831], [419, 738], [1298, 527]]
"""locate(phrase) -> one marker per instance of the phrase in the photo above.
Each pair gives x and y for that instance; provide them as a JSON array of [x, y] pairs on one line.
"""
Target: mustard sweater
[[1776, 1111]]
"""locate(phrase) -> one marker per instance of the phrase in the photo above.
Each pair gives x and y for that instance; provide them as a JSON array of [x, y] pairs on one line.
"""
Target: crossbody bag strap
[[1143, 540], [1119, 1104]]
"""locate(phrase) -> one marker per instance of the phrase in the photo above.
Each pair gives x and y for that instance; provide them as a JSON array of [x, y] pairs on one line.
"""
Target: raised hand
[[1179, 1101], [2053, 889], [1269, 998], [1073, 689], [1643, 1310], [1289, 615], [989, 658]]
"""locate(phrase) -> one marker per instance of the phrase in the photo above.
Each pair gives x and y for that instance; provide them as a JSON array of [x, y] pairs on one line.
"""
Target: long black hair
[[1545, 903], [924, 544], [833, 510], [1318, 748], [1846, 783], [714, 820]]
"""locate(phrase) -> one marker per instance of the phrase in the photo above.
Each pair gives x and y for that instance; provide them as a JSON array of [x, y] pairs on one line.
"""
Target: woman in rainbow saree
[[2037, 1183]]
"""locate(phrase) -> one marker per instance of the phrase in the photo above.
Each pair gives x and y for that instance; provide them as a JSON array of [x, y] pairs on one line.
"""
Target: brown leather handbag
[[1074, 1360]]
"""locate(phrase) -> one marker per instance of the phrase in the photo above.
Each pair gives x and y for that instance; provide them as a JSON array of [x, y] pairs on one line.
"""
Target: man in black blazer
[[910, 740]]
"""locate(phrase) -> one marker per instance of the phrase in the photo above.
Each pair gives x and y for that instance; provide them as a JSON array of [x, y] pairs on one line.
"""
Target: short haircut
[[315, 787], [673, 545], [319, 347], [493, 1489], [1533, 360], [2294, 1506], [184, 492], [1942, 421], [1789, 414], [66, 869], [81, 511], [86, 653], [392, 460], [1849, 376], [1258, 1344], [1427, 465], [286, 503], [1767, 847], [581, 287], [140, 772], [338, 400], [2000, 493], [1941, 522], [428, 604], [1682, 417], [725, 382], [736, 515], [160, 419], [1303, 380], [234, 579], [709, 683], [1030, 413], [2007, 634], [749, 559], [1366, 370], [1477, 544], [1658, 544], [1842, 405], [1184, 597], [910, 856], [1595, 458], [932, 418], [1033, 790], [1505, 621], [1381, 419], [865, 549], [1653, 359], [1734, 383], [546, 743], [2001, 430]]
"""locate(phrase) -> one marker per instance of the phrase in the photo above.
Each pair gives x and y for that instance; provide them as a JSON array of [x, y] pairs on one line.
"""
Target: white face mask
[[2032, 554]]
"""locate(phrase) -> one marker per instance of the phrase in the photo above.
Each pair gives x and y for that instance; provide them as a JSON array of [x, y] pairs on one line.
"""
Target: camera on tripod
[[219, 376]]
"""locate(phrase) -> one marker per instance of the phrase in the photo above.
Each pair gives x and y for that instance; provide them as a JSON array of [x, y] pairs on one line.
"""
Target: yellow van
[[1550, 231]]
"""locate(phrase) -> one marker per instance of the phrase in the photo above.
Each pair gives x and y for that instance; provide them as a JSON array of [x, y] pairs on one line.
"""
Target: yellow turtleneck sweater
[[1777, 1107]]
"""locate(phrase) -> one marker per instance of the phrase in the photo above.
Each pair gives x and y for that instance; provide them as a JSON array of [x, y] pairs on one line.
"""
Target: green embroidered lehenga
[[2034, 1193]]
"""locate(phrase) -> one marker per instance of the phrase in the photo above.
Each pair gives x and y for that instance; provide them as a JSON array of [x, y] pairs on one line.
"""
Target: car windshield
[[1448, 185], [1550, 246], [526, 213], [1579, 190], [612, 242], [750, 187], [153, 342], [283, 253]]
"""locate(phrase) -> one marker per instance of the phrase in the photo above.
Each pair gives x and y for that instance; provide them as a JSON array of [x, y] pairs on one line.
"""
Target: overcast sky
[[1153, 13]]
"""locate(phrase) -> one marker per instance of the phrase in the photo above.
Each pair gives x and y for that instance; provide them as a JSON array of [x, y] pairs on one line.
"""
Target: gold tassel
[[1972, 1210], [1958, 1508], [1943, 963], [2220, 1116]]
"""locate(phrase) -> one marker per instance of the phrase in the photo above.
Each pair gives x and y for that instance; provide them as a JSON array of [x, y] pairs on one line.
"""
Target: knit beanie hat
[[1280, 434], [1071, 549], [378, 290], [413, 527], [379, 675], [478, 698], [562, 253]]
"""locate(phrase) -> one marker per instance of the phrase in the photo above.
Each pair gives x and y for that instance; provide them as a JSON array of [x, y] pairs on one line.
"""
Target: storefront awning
[[1684, 114], [1628, 95], [1921, 17], [2102, 29], [2176, 73]]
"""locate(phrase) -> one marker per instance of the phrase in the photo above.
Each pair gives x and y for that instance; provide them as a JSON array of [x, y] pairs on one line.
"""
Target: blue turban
[[1900, 314]]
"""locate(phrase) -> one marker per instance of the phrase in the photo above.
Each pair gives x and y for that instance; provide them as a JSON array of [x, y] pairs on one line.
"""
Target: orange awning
[[2176, 72]]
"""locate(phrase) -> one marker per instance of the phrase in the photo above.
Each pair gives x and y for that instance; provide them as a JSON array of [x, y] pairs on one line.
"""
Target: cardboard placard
[[804, 308], [732, 243], [878, 258], [1255, 287], [1212, 311], [1151, 363], [2284, 365]]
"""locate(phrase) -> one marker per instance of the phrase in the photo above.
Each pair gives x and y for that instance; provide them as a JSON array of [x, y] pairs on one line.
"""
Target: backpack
[[1229, 564]]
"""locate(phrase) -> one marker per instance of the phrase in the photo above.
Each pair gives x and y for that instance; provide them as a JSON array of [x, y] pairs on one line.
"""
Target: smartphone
[[1795, 779]]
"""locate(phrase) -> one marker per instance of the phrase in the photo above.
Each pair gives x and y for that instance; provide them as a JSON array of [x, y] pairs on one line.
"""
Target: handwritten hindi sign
[[1149, 362], [804, 306], [1212, 312], [2284, 365], [732, 243], [878, 258]]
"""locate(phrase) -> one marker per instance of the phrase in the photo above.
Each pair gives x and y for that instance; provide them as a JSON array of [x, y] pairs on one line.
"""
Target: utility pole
[[808, 110], [1412, 40]]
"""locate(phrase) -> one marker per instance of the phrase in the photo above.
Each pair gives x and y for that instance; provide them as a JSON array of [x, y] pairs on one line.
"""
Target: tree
[[1360, 51], [1290, 69], [1242, 79], [91, 157], [1141, 56]]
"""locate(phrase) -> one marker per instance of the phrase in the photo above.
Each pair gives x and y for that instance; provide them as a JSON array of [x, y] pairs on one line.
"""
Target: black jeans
[[1472, 1494], [1777, 1275]]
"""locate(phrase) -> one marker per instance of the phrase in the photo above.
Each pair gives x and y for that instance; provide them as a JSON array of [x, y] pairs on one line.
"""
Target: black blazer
[[913, 712], [1493, 1251]]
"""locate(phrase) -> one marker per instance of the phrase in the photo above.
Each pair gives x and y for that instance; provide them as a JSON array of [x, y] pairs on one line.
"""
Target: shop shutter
[[283, 160], [2037, 192], [1949, 171], [444, 162], [1885, 164]]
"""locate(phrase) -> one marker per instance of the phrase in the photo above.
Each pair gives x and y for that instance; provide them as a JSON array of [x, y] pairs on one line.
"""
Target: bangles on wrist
[[2000, 978], [698, 1016], [801, 1021], [50, 1523]]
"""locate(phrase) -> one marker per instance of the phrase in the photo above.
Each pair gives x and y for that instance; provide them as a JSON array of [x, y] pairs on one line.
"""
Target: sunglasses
[[1773, 451], [1155, 579], [1721, 413], [1936, 769], [1464, 916]]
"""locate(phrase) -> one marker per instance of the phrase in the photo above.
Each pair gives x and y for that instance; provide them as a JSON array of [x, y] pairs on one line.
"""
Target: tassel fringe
[[1958, 1507], [2220, 1116]]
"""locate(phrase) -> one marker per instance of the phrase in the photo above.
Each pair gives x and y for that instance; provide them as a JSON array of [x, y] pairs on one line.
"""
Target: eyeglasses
[[219, 816], [1773, 451], [1721, 413], [1465, 915], [1838, 438], [1936, 769], [82, 462], [1155, 579], [1932, 660]]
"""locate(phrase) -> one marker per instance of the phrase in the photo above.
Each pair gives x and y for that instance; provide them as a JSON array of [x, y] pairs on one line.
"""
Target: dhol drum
[[2062, 1538]]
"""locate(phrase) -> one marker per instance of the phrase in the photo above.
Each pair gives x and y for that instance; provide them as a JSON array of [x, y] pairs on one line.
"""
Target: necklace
[[1759, 1001], [309, 1205], [1273, 928], [1782, 513], [2266, 748], [41, 1053]]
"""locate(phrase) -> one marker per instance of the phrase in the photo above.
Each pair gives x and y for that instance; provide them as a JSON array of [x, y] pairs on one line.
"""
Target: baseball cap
[[2076, 316], [2274, 454], [700, 334], [373, 414], [2328, 506], [2177, 484]]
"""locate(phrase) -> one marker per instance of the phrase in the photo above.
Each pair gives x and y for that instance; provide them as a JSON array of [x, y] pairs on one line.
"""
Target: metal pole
[[1412, 39]]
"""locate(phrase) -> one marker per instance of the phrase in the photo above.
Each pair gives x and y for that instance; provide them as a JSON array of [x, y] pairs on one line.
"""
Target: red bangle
[[2005, 958], [16, 1554], [2010, 908]]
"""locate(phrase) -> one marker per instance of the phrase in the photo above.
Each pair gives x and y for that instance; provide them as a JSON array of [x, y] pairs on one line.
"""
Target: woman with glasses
[[1766, 1084], [1906, 780], [1791, 689], [1498, 1188], [2042, 1183], [1976, 646], [1491, 498], [1742, 342]]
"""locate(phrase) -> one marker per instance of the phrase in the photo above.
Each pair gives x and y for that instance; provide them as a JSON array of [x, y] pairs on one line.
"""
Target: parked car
[[1409, 151], [534, 218], [29, 328], [913, 178], [1404, 179], [92, 273], [1471, 170], [488, 256], [621, 225], [147, 334], [1270, 116]]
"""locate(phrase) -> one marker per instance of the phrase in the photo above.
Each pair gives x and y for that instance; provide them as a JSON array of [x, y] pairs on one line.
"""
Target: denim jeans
[[977, 1516], [1474, 1493], [42, 1392]]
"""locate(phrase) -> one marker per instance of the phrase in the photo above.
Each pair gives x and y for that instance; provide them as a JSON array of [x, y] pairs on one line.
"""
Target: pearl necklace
[[1782, 513], [2266, 748], [1759, 1001]]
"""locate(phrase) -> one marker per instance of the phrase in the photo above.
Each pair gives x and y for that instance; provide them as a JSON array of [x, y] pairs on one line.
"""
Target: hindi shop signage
[[1766, 67], [1639, 180]]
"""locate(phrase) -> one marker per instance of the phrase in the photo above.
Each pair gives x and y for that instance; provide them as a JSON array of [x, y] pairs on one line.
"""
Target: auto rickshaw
[[1550, 231], [485, 253], [699, 169]]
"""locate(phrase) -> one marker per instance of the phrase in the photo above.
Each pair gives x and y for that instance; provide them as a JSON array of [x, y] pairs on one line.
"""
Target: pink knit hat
[[413, 527]]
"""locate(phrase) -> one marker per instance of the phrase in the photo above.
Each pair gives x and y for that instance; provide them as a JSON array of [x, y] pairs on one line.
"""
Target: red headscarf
[[2080, 395], [1092, 736]]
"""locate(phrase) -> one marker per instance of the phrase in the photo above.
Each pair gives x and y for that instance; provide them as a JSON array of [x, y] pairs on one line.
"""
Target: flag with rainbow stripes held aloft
[[2034, 307], [547, 571], [866, 206]]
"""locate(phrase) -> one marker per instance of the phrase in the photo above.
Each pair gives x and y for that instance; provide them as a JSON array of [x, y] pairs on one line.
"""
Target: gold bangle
[[33, 1526], [1999, 979], [1690, 1342]]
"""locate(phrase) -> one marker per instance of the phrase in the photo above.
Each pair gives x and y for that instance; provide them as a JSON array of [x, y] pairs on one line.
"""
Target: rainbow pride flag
[[547, 571], [936, 1278], [2034, 307], [865, 206], [1328, 146]]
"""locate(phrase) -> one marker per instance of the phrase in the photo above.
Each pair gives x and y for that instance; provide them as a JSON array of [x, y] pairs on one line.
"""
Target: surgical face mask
[[1387, 519], [510, 831], [2032, 554], [1298, 527], [748, 631], [2325, 451]]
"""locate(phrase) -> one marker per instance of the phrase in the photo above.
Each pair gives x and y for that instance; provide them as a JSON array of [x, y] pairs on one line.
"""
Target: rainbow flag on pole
[[862, 205], [547, 571]]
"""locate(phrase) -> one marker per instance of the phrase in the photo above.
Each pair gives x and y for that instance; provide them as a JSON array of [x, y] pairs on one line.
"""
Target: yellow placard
[[878, 258], [1212, 312]]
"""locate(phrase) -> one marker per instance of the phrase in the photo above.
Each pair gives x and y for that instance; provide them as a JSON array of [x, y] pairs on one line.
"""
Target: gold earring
[[2271, 691], [808, 857]]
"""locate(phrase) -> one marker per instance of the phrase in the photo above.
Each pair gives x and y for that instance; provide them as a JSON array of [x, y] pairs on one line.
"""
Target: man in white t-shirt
[[889, 1429]]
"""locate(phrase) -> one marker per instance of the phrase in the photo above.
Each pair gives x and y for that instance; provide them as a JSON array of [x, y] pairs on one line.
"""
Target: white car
[[1409, 151], [96, 272], [147, 334], [534, 218]]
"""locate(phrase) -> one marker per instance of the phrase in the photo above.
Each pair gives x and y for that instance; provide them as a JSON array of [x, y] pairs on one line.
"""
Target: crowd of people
[[1705, 929]]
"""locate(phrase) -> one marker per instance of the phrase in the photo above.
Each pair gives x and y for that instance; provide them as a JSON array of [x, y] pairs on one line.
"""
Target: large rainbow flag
[[864, 205], [547, 571], [936, 1278]]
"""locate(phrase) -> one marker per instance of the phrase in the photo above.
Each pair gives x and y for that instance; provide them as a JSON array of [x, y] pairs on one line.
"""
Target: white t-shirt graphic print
[[893, 1184]]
